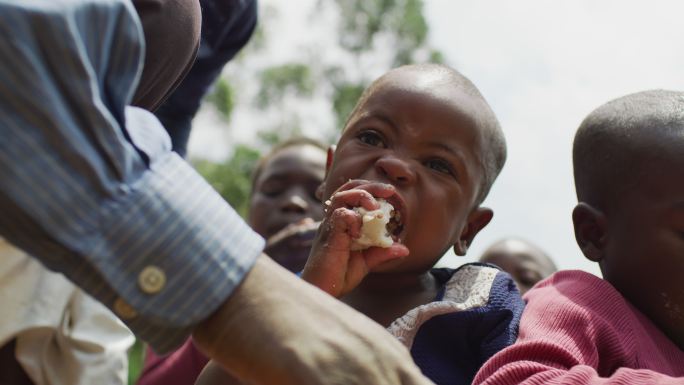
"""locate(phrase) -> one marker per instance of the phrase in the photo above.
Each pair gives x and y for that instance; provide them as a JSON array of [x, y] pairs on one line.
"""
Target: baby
[[627, 328], [424, 140]]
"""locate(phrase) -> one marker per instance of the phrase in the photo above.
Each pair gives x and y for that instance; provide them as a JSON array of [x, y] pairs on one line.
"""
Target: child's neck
[[386, 297]]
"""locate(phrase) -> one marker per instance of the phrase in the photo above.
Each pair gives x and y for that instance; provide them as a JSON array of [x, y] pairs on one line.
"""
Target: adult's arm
[[573, 332], [91, 188], [278, 329]]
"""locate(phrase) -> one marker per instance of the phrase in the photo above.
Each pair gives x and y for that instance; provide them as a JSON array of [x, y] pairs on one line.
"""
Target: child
[[283, 206], [525, 262], [284, 210], [629, 327], [422, 138]]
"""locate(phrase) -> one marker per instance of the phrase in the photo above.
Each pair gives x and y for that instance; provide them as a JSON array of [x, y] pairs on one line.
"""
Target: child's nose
[[396, 170], [294, 203]]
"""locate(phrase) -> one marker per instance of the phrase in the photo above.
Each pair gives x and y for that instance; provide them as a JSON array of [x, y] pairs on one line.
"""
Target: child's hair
[[493, 140], [604, 143], [292, 142]]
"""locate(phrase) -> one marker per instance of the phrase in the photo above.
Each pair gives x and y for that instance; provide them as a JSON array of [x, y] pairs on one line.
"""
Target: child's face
[[285, 193], [525, 264], [425, 142], [644, 250]]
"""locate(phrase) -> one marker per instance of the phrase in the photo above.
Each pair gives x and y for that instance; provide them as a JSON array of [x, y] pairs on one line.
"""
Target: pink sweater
[[181, 367], [577, 329]]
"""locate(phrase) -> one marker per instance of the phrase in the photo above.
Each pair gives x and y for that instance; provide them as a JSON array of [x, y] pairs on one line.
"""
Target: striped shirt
[[89, 185]]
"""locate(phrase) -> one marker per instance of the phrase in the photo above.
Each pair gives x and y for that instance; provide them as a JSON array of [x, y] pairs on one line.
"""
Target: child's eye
[[440, 165], [271, 189], [371, 138]]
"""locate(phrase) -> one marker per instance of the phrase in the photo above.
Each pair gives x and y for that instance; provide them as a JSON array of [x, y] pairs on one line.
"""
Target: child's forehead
[[427, 84], [392, 97], [297, 154], [294, 159]]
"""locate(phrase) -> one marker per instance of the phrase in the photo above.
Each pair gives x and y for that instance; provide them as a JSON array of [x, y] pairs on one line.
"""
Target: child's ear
[[477, 220], [319, 191], [329, 159], [590, 230], [328, 163]]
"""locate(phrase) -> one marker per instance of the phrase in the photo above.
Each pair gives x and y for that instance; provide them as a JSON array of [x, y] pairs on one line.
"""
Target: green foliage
[[411, 31], [400, 21], [373, 36], [270, 138], [277, 82], [232, 178], [223, 98], [345, 97], [361, 21], [136, 358], [436, 57]]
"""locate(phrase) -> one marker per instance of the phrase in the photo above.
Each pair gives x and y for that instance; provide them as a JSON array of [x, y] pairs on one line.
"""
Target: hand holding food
[[347, 248]]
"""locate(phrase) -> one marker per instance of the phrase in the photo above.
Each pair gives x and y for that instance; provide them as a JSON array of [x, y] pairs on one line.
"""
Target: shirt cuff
[[172, 250]]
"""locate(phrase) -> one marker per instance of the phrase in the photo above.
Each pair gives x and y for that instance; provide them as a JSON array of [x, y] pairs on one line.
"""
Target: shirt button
[[124, 310], [151, 280]]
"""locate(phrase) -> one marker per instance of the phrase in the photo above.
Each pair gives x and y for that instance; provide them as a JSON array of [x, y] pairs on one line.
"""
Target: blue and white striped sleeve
[[90, 186]]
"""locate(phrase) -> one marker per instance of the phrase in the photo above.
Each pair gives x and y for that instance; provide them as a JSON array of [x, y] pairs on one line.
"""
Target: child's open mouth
[[395, 226]]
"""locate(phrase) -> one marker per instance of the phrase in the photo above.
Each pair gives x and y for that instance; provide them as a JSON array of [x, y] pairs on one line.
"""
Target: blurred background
[[542, 65]]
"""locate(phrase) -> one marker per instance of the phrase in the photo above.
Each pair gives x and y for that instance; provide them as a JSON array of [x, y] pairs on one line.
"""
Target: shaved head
[[616, 140], [519, 248], [525, 262], [440, 78]]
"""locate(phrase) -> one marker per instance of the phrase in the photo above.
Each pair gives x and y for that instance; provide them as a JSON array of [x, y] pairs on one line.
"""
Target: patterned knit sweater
[[475, 315], [577, 329]]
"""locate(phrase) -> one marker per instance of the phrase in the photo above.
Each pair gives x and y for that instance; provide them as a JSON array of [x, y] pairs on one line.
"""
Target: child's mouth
[[395, 227]]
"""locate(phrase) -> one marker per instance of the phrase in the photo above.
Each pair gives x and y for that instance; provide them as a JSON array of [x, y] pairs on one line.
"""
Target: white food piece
[[374, 228]]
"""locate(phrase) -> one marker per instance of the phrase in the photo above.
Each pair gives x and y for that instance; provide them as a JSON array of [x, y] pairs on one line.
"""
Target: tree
[[232, 178], [351, 42], [312, 89]]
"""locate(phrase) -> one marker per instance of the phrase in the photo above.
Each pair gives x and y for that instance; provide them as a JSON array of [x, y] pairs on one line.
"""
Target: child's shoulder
[[575, 286], [475, 315], [475, 285], [468, 293], [579, 298]]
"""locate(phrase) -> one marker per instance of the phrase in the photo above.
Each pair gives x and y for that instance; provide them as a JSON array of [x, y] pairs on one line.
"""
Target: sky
[[543, 66]]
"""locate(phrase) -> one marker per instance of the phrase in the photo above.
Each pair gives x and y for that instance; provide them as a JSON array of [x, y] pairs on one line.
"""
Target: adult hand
[[277, 329], [333, 266], [214, 374]]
